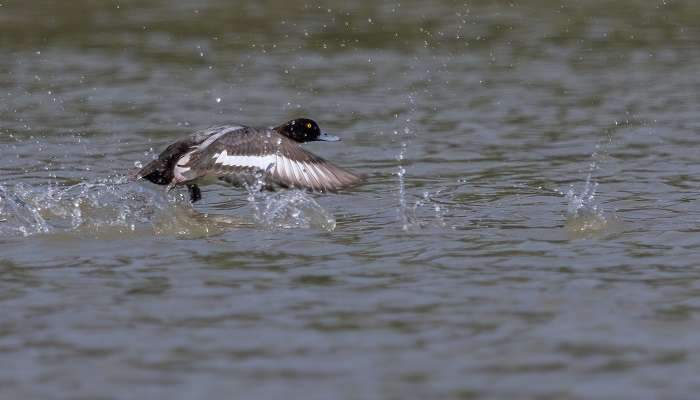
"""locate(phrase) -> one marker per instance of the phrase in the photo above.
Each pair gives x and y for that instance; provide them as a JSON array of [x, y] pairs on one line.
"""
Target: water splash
[[585, 215], [428, 211], [114, 206], [17, 216], [405, 133], [401, 173], [288, 209], [424, 212], [83, 207]]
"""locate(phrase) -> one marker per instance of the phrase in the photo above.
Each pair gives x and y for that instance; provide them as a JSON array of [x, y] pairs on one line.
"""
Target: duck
[[244, 156]]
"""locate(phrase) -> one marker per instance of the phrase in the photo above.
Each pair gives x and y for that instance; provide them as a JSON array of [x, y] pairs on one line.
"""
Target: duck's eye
[[308, 125]]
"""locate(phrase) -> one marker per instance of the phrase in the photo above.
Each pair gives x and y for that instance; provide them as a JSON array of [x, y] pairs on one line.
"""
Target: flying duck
[[242, 155]]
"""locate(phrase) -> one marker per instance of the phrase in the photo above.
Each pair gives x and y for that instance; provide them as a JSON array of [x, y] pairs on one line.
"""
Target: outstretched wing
[[297, 167], [281, 162]]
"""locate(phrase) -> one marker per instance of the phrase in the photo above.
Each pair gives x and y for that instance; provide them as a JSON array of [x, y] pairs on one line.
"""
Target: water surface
[[529, 228]]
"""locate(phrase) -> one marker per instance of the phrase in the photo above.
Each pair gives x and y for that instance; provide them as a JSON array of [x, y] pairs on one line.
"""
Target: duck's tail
[[155, 171]]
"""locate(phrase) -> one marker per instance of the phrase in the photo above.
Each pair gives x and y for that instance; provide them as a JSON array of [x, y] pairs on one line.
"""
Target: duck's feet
[[195, 193]]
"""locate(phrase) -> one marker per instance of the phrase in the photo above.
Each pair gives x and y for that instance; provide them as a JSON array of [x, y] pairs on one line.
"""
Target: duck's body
[[241, 155]]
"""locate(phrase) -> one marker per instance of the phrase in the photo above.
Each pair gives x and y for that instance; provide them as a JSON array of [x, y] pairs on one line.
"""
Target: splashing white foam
[[115, 206], [428, 211], [83, 207], [288, 209], [585, 215], [401, 173]]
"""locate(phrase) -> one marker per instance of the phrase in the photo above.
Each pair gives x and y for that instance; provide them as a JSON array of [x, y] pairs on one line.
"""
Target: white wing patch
[[290, 172], [181, 167], [260, 162]]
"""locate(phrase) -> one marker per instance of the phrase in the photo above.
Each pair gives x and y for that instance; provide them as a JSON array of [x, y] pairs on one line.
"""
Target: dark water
[[530, 228]]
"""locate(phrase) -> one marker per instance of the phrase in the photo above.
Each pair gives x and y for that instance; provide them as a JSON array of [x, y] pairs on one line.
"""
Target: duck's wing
[[278, 159], [296, 167], [161, 170]]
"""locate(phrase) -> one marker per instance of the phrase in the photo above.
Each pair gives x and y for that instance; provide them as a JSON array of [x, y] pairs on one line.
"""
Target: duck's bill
[[324, 137]]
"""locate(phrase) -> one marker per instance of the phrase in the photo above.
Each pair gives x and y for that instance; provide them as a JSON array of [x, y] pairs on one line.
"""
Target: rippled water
[[529, 228]]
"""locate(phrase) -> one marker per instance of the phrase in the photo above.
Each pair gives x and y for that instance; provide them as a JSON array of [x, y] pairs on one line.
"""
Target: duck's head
[[304, 130]]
